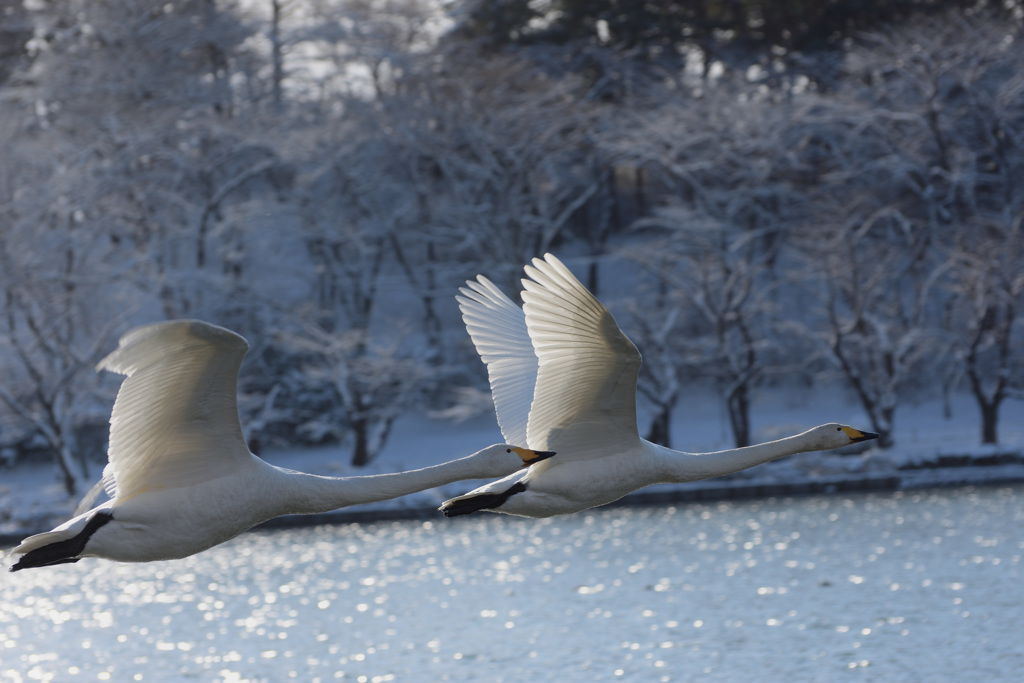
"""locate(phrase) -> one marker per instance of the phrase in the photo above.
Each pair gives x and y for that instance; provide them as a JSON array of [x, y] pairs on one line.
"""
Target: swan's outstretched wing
[[498, 330], [585, 398], [175, 421]]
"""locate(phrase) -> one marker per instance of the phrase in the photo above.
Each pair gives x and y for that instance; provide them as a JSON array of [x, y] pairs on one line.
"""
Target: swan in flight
[[563, 377], [180, 476]]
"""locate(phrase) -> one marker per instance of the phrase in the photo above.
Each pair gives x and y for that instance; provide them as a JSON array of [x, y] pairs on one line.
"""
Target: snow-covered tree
[[719, 281], [375, 381], [877, 304], [502, 145], [354, 210], [57, 312], [985, 321], [723, 203], [658, 326]]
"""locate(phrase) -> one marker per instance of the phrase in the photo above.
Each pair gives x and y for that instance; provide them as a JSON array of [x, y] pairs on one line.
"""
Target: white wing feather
[[175, 421], [498, 330], [585, 399]]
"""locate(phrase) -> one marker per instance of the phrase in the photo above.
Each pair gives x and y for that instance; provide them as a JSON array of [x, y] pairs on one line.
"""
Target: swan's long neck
[[303, 493], [680, 466]]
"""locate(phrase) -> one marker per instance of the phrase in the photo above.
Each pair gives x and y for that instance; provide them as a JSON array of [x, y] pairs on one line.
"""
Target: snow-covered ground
[[33, 499]]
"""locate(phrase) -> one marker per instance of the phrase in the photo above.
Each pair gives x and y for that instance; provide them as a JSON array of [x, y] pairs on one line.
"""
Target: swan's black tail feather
[[483, 501], [62, 552]]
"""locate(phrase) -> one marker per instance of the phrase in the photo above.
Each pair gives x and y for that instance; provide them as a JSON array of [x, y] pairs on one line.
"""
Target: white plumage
[[563, 373], [180, 476]]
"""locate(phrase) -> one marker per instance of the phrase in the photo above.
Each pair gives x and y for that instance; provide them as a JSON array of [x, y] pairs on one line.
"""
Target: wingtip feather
[[137, 346]]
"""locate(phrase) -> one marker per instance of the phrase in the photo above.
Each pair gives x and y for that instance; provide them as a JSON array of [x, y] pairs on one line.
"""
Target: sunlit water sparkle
[[915, 586]]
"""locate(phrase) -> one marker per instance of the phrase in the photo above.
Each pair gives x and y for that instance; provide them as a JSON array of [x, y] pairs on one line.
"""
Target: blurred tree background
[[765, 193]]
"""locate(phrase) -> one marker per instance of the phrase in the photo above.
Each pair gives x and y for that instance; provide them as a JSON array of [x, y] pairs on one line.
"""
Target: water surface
[[916, 586]]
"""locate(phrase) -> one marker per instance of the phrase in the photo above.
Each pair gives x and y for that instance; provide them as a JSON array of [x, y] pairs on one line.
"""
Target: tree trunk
[[988, 403], [65, 459], [989, 422], [989, 410], [277, 55], [592, 277], [738, 405], [361, 448], [660, 430], [883, 424]]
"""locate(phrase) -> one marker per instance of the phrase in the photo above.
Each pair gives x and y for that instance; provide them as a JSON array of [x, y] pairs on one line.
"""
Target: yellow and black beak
[[531, 457], [856, 436]]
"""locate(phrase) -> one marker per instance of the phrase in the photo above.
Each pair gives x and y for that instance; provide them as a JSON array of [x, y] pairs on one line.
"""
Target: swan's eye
[[508, 450], [839, 429]]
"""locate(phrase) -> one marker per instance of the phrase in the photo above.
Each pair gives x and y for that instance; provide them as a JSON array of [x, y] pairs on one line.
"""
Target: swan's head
[[833, 435], [503, 459]]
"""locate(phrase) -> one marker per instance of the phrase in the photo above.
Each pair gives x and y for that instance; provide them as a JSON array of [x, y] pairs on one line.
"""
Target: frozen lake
[[913, 586]]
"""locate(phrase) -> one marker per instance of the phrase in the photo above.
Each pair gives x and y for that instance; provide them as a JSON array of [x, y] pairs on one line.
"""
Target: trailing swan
[[563, 377], [180, 476]]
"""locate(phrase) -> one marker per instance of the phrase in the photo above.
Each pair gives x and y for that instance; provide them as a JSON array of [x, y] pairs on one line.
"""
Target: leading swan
[[180, 476], [563, 377]]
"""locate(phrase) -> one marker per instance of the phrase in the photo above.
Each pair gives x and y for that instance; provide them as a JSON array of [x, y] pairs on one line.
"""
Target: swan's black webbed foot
[[62, 552], [483, 501]]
